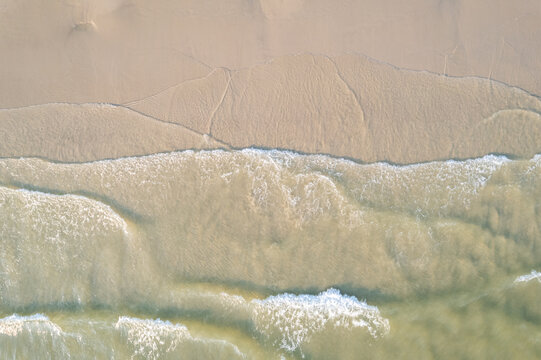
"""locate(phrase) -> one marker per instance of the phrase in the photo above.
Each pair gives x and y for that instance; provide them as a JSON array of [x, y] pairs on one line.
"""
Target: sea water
[[256, 254]]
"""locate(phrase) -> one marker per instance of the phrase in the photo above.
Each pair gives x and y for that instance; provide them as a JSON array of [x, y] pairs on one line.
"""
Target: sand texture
[[346, 106], [70, 133], [118, 50], [422, 81]]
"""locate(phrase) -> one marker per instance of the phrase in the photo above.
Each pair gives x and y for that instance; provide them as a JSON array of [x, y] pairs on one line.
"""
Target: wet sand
[[347, 106]]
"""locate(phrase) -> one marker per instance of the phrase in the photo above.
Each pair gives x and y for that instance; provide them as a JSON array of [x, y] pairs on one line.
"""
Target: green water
[[269, 254]]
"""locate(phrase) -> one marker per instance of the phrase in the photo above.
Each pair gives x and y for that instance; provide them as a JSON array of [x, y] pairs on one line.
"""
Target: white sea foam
[[534, 165], [272, 171], [298, 317], [450, 181], [154, 338], [287, 321], [534, 275], [436, 185], [54, 242], [15, 324], [70, 210]]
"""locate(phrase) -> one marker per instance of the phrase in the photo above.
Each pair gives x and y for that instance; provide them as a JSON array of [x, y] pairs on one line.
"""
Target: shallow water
[[269, 254]]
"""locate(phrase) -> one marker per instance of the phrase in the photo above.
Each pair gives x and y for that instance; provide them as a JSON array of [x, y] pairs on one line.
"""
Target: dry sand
[[229, 71]]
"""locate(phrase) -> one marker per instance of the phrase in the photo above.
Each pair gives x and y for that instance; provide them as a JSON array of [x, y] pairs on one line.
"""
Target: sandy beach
[[270, 179], [274, 79]]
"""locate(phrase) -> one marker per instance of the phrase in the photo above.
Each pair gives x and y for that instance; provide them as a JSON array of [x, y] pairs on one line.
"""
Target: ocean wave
[[306, 186], [155, 338], [15, 324], [33, 336], [37, 204], [286, 321], [296, 318], [74, 236], [398, 229]]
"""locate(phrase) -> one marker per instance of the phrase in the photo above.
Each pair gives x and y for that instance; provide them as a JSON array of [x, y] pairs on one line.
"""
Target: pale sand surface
[[346, 106], [115, 51], [350, 106], [201, 65], [65, 132], [227, 72]]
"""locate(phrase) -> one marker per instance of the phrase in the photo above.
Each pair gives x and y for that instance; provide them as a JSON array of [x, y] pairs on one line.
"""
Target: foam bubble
[[44, 206], [534, 165], [534, 275], [298, 317], [15, 324], [154, 338]]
